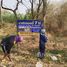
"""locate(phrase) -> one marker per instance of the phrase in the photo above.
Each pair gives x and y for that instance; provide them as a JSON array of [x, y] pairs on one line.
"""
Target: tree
[[36, 12], [32, 10], [44, 7], [15, 9], [38, 8], [39, 11], [56, 21], [0, 11]]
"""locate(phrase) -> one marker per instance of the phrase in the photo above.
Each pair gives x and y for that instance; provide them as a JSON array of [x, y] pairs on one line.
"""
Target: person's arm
[[45, 38], [14, 42]]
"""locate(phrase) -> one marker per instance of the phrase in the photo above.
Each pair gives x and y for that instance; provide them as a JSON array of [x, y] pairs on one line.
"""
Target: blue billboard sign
[[29, 25]]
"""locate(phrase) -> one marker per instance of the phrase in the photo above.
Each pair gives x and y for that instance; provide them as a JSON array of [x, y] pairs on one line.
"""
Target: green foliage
[[56, 51], [65, 55], [27, 16], [0, 49], [10, 18], [20, 16]]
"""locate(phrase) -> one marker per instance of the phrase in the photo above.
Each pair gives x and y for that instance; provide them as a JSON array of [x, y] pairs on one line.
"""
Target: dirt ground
[[26, 54]]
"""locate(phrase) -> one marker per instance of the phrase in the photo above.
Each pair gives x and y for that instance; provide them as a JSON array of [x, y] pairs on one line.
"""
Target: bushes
[[56, 22], [10, 18]]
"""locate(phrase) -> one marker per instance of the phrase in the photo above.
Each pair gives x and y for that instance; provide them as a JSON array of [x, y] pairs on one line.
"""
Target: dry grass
[[25, 56]]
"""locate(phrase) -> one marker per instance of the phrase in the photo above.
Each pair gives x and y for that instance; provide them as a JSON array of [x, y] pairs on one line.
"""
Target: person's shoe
[[40, 55]]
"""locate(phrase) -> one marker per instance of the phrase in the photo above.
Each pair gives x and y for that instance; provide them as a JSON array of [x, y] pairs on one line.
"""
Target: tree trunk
[[44, 11], [15, 14], [38, 9], [44, 7], [0, 11], [32, 9]]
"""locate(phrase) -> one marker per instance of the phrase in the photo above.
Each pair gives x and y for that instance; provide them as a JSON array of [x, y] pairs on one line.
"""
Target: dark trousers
[[42, 48], [7, 48]]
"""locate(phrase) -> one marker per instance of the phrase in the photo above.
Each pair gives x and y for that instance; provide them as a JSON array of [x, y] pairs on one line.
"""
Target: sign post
[[28, 26]]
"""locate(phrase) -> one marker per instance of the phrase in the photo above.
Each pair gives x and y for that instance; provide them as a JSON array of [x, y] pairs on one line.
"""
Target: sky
[[22, 9]]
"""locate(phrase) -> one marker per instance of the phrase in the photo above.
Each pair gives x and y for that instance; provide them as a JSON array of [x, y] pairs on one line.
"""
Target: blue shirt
[[43, 39]]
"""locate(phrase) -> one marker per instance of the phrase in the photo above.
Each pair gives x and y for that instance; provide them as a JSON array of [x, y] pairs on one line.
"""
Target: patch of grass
[[11, 18], [48, 58], [0, 49], [56, 51], [65, 55]]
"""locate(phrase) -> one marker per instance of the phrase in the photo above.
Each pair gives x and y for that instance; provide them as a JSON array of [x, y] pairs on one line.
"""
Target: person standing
[[42, 43]]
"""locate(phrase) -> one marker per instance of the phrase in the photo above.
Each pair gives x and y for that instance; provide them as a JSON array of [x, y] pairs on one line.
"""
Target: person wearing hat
[[42, 42], [8, 42]]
